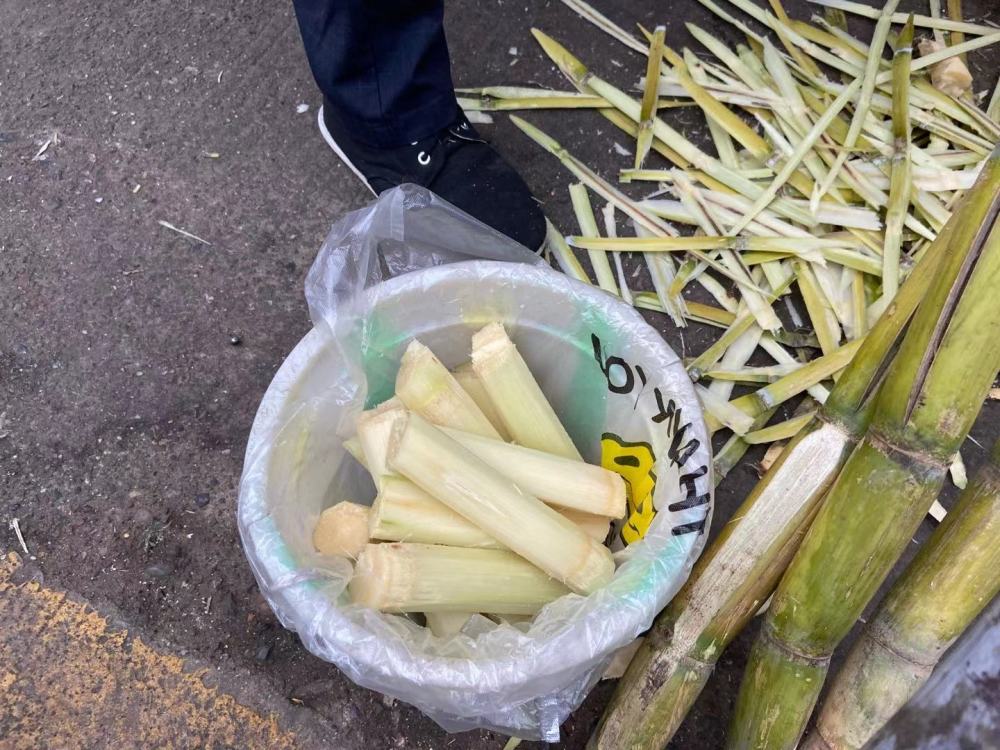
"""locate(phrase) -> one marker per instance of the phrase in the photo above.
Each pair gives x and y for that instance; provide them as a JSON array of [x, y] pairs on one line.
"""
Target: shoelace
[[462, 131]]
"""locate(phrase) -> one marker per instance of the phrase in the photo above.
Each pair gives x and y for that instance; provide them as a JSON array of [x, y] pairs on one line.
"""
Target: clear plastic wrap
[[412, 266]]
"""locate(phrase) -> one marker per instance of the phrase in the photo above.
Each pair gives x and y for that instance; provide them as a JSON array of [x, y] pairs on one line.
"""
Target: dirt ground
[[132, 358]]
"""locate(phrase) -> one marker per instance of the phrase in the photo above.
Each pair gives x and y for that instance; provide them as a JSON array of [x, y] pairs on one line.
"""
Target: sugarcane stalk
[[647, 112], [931, 395], [899, 185], [955, 574], [740, 568]]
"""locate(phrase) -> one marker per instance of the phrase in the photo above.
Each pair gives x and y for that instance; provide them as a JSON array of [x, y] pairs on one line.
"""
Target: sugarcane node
[[884, 641], [926, 462], [768, 635]]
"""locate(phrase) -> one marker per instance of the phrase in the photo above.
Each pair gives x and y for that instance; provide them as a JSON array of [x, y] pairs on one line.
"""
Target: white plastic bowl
[[621, 392]]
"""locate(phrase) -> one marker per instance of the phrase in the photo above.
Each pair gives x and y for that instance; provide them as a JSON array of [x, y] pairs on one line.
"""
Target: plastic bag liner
[[412, 266]]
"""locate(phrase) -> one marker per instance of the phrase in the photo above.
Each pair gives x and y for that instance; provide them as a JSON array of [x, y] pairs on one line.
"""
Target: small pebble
[[201, 499], [142, 516], [158, 570], [302, 108], [235, 340], [263, 652]]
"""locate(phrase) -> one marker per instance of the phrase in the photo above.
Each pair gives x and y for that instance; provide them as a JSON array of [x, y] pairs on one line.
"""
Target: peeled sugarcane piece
[[401, 577], [472, 385], [526, 413], [374, 427], [955, 574], [553, 479], [403, 512], [740, 568], [931, 395], [568, 484], [353, 446], [949, 76], [522, 523], [446, 624], [596, 527], [342, 529], [425, 386]]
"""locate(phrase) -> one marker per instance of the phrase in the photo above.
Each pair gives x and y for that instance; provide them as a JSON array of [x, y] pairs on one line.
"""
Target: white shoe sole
[[339, 152]]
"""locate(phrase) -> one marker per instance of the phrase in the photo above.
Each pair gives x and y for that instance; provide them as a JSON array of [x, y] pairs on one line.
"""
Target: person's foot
[[455, 163]]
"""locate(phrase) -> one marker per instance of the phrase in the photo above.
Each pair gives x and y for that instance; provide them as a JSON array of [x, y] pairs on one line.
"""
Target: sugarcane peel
[[950, 76], [342, 529]]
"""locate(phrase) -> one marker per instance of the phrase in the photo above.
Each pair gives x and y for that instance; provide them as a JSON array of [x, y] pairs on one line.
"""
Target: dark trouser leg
[[382, 65]]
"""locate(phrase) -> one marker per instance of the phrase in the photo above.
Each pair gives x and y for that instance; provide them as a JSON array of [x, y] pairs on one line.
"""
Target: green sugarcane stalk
[[931, 396], [899, 184], [955, 574], [740, 568]]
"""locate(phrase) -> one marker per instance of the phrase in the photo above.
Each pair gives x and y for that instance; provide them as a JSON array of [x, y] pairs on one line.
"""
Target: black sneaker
[[455, 163]]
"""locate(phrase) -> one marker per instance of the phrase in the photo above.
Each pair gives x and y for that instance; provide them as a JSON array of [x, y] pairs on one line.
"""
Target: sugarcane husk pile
[[833, 170], [836, 185]]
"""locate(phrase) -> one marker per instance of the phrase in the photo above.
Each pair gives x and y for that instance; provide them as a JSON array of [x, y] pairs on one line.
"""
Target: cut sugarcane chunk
[[596, 527], [405, 513], [526, 413], [432, 578], [472, 385], [446, 624], [342, 529], [558, 481], [521, 522], [374, 427], [353, 447], [426, 387]]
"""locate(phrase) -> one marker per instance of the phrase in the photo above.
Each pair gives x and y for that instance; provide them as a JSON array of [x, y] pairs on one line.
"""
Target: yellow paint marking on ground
[[67, 680]]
